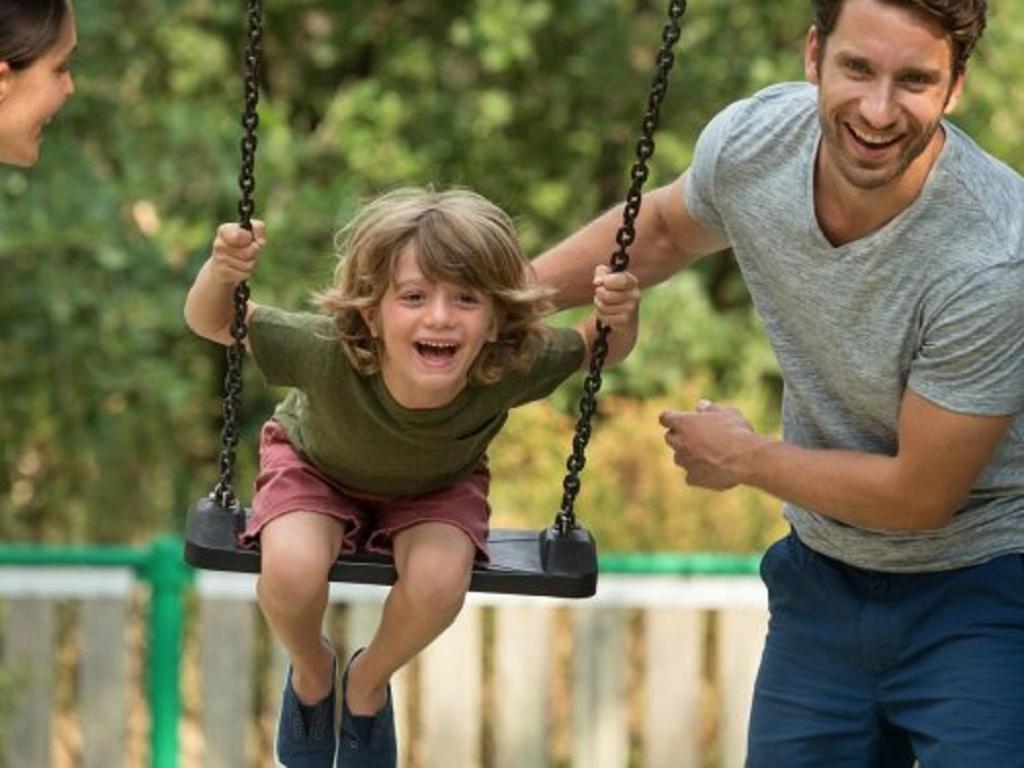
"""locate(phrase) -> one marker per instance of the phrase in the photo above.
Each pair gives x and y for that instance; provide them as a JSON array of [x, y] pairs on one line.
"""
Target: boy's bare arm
[[209, 306]]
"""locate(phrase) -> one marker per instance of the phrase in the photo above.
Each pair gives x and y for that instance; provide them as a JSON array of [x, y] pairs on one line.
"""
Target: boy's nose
[[440, 311]]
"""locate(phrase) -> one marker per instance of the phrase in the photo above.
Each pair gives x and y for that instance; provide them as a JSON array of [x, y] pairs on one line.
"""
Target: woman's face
[[31, 96]]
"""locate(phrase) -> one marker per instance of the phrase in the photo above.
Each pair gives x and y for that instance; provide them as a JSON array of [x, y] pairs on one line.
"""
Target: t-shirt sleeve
[[557, 361], [971, 359], [287, 347], [700, 192]]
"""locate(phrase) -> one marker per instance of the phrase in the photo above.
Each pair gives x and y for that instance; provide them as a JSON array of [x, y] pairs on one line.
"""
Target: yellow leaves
[[633, 496]]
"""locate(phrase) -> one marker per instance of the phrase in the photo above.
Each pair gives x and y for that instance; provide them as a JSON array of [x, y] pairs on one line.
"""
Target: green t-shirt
[[352, 430]]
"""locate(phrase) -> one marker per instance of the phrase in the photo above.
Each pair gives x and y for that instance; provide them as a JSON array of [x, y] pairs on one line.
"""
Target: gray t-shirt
[[934, 300]]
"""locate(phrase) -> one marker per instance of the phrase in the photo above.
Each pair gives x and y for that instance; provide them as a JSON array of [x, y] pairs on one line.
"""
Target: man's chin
[[869, 178]]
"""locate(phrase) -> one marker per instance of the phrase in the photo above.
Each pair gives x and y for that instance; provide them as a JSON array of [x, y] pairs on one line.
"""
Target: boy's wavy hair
[[962, 20], [458, 237], [30, 28]]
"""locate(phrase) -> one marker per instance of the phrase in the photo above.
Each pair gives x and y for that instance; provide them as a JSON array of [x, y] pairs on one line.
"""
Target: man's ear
[[954, 93], [812, 55], [6, 75]]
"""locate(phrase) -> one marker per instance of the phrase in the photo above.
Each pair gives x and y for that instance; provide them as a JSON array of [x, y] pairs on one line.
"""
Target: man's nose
[[878, 106]]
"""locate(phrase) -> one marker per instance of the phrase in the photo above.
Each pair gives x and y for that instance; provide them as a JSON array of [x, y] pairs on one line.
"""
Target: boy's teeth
[[435, 347]]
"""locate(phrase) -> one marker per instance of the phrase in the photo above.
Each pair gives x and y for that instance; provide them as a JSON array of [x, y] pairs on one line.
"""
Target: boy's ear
[[492, 332], [368, 318]]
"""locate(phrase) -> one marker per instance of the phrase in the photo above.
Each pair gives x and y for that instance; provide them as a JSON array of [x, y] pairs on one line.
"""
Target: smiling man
[[884, 251]]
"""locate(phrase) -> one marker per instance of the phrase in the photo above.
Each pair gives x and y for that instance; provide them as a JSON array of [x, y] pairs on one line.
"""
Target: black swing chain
[[566, 519], [224, 493]]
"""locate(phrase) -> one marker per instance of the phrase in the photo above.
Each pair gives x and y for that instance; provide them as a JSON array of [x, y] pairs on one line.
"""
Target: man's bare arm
[[668, 239], [940, 455]]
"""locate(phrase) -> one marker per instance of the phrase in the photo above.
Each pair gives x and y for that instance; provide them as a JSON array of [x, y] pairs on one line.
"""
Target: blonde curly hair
[[459, 237]]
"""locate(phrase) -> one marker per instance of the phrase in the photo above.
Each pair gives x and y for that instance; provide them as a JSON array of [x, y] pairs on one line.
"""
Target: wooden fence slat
[[103, 682], [28, 666], [522, 685], [360, 626], [227, 630], [600, 736], [451, 677], [674, 657], [741, 634]]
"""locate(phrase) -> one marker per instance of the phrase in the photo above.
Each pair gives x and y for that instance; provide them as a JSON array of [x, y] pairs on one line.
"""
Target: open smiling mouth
[[436, 351], [872, 141]]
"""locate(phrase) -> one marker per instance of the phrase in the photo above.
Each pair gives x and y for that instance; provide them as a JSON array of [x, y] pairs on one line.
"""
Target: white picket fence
[[654, 672]]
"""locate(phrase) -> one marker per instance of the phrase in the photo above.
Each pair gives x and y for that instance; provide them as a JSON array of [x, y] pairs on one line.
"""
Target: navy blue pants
[[863, 669]]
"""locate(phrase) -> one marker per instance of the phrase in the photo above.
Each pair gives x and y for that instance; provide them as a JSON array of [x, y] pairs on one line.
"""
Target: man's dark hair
[[30, 28], [962, 20]]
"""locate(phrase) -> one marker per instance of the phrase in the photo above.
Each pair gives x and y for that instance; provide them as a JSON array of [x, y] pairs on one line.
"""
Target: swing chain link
[[565, 522], [224, 493]]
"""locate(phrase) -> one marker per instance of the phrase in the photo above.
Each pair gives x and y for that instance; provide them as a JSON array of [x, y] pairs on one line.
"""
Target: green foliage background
[[109, 409]]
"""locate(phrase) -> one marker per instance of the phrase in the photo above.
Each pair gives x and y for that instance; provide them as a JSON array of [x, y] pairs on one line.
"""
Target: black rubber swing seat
[[522, 562]]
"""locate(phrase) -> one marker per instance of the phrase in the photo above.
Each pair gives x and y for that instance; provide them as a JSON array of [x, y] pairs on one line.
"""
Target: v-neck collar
[[892, 227]]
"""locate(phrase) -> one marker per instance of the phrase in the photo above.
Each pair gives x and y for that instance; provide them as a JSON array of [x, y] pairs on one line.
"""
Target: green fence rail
[[160, 565]]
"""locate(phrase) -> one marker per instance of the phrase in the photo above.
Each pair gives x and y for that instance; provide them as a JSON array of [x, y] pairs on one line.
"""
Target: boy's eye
[[411, 296], [468, 298]]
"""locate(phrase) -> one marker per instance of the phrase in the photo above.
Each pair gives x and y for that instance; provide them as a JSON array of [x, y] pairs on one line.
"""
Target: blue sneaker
[[380, 749], [305, 735]]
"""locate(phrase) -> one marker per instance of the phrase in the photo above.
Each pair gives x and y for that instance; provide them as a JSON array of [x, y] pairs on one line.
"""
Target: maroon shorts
[[288, 482]]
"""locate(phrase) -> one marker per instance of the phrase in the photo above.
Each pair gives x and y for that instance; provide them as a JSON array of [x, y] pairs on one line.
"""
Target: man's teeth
[[872, 138]]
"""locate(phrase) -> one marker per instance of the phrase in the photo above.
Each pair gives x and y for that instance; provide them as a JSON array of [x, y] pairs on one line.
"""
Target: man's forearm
[[862, 489], [666, 240], [569, 266]]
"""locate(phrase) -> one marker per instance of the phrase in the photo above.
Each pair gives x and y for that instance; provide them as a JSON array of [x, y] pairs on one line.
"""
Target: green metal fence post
[[167, 575]]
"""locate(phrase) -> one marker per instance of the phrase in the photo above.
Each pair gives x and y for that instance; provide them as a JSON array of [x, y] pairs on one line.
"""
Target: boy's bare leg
[[298, 550], [434, 563]]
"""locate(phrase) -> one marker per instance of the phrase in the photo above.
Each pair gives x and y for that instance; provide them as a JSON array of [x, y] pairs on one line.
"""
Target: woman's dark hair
[[29, 28], [962, 20]]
